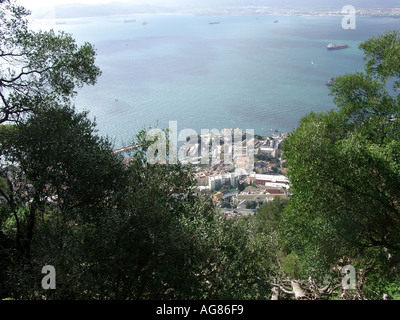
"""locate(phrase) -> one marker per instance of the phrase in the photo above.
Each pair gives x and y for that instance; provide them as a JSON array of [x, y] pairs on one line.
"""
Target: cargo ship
[[332, 46]]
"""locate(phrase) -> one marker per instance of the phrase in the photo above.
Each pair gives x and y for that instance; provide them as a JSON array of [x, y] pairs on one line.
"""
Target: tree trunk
[[298, 291], [275, 293]]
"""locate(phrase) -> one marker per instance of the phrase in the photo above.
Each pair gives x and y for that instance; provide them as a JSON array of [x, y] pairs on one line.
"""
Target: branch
[[4, 99], [275, 293], [26, 73], [298, 291], [282, 288], [11, 54]]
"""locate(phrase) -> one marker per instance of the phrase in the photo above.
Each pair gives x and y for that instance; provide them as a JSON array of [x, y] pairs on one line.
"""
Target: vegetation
[[139, 230], [343, 167]]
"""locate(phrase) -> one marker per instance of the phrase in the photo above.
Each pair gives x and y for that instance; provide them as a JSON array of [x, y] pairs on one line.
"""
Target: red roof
[[263, 182], [273, 191]]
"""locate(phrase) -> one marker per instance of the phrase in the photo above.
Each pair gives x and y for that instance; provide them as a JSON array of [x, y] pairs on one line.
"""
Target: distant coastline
[[87, 11], [375, 12]]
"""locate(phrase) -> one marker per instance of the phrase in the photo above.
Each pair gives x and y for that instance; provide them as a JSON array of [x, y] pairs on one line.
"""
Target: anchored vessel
[[332, 46]]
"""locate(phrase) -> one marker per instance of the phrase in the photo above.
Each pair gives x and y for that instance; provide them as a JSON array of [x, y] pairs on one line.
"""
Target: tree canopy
[[111, 229], [344, 167], [38, 67]]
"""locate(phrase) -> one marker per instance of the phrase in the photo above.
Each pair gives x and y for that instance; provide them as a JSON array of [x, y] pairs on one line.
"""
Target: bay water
[[255, 72]]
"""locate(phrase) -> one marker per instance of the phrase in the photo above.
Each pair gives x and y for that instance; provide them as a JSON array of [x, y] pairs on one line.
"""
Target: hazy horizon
[[74, 8]]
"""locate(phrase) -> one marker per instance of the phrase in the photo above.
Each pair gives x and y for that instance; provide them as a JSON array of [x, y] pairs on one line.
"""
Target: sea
[[204, 72]]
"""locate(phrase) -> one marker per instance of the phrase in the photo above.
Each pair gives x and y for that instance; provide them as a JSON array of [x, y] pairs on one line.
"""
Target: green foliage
[[343, 169], [242, 186], [57, 151], [241, 261], [251, 204], [112, 230], [263, 157], [381, 55], [40, 67], [269, 214], [158, 240], [292, 266], [56, 171]]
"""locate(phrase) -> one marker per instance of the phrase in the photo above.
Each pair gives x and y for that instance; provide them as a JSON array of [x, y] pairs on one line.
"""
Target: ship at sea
[[215, 22], [332, 46], [330, 82]]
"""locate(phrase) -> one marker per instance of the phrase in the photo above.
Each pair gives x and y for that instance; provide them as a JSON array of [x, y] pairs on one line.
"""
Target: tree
[[241, 260], [55, 163], [242, 186], [153, 244], [343, 167], [53, 167], [268, 215], [251, 204], [38, 67]]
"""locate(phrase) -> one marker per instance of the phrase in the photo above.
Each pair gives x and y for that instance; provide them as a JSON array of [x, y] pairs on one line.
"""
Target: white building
[[273, 181], [218, 181], [267, 151]]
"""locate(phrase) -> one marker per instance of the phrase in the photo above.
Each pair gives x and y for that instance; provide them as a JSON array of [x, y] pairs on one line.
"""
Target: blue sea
[[246, 72]]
